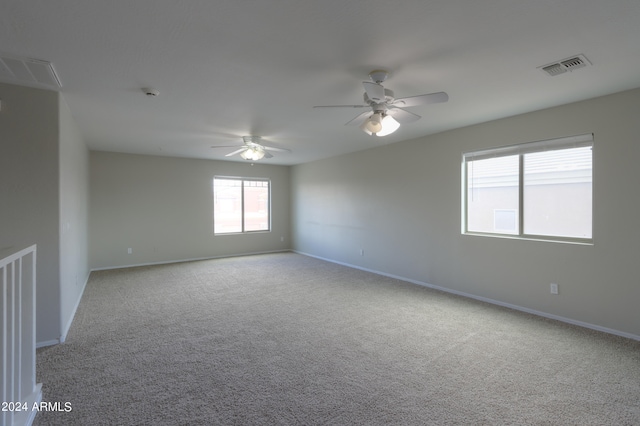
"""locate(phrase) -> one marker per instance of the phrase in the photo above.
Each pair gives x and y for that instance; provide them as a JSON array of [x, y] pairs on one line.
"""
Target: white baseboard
[[166, 262], [67, 326], [484, 299], [46, 343]]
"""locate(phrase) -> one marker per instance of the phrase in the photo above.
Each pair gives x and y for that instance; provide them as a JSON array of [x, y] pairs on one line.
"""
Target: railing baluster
[[17, 329], [5, 324]]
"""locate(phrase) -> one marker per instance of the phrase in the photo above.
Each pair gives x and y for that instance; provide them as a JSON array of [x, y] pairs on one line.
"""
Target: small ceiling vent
[[554, 69], [569, 64], [28, 71]]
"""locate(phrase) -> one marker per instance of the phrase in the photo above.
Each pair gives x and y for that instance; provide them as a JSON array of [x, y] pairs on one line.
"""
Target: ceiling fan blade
[[375, 91], [244, 148], [273, 148], [431, 98], [341, 106], [225, 146], [359, 119], [402, 115], [267, 155]]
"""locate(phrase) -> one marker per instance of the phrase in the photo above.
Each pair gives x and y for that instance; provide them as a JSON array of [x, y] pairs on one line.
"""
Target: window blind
[[529, 147]]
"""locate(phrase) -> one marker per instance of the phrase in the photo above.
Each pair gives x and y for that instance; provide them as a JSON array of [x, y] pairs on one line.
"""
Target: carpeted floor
[[284, 339]]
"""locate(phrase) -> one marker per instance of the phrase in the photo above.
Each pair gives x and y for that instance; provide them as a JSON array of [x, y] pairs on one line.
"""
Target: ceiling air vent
[[28, 71], [554, 69], [569, 64]]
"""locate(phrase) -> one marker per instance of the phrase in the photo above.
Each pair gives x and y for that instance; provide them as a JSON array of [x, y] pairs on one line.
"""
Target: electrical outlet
[[129, 250], [361, 252], [554, 288]]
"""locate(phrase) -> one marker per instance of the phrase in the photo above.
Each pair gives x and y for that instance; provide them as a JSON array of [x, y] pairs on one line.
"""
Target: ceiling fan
[[252, 149], [387, 112]]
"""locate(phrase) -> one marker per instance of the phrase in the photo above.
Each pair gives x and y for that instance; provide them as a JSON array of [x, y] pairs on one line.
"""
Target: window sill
[[579, 242], [241, 233]]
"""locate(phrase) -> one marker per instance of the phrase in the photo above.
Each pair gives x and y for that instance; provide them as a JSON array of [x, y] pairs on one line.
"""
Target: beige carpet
[[284, 339]]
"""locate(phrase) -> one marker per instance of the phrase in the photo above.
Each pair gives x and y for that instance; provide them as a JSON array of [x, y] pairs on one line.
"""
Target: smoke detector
[[150, 91], [569, 64]]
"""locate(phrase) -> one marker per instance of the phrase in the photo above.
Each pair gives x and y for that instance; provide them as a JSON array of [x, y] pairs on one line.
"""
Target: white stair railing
[[19, 390]]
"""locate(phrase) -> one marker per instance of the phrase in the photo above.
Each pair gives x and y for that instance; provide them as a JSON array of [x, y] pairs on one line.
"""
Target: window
[[240, 205], [538, 190]]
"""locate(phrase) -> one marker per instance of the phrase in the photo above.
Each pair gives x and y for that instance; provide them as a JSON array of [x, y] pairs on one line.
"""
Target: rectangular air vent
[[28, 71], [569, 64], [554, 69]]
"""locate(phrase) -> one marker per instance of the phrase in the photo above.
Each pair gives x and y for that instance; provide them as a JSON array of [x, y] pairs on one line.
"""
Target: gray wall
[[29, 193], [74, 216], [401, 204], [44, 200], [162, 208]]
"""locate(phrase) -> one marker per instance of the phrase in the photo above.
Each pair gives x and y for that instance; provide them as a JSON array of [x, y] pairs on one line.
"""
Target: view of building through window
[[492, 192], [240, 205], [555, 186], [557, 193]]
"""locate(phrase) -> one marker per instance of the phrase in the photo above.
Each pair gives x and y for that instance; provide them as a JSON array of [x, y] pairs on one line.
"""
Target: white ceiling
[[229, 68]]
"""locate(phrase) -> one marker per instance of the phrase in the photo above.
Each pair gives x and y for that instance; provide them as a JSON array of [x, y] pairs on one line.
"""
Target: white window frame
[[521, 149], [242, 180]]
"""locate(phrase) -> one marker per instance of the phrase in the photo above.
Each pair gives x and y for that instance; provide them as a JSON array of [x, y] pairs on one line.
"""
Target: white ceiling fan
[[387, 112], [252, 149]]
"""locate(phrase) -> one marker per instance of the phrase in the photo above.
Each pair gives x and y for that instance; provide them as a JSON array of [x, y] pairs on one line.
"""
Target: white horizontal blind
[[529, 147]]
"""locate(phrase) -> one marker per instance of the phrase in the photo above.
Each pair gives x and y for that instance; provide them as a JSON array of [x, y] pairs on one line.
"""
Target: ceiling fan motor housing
[[251, 139], [388, 99], [378, 76]]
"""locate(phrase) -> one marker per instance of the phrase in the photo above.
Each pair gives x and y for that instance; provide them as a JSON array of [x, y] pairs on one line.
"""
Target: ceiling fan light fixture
[[363, 127], [389, 125], [372, 124], [380, 124], [253, 153]]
